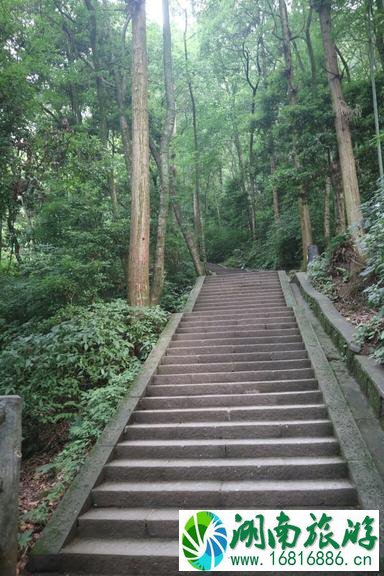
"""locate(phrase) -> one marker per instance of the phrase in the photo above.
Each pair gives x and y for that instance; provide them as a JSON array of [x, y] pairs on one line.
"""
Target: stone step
[[242, 283], [129, 523], [236, 318], [233, 387], [233, 418], [235, 333], [212, 494], [226, 469], [235, 326], [244, 376], [115, 556], [190, 323], [230, 430], [212, 316], [269, 347], [298, 354], [267, 340], [236, 448], [228, 400], [233, 292], [227, 367], [231, 414], [270, 295], [239, 304]]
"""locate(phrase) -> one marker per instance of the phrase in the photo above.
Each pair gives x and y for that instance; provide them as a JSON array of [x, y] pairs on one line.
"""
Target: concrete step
[[239, 304], [257, 365], [235, 349], [267, 340], [226, 469], [230, 430], [233, 418], [251, 296], [228, 494], [233, 334], [224, 388], [244, 376], [235, 448], [190, 323], [264, 325], [212, 316], [115, 556], [228, 400], [129, 523], [242, 291], [298, 354], [232, 414], [241, 317]]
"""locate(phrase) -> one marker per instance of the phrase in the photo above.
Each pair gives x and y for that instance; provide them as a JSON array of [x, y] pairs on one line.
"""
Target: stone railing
[[10, 452]]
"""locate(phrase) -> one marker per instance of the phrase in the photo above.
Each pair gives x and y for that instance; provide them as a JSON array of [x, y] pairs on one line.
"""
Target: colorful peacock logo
[[204, 541]]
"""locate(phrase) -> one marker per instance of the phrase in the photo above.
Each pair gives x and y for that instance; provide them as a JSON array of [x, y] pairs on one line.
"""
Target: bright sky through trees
[[154, 11]]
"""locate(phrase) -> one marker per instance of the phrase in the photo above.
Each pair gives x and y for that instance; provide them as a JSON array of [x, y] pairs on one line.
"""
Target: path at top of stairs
[[234, 418]]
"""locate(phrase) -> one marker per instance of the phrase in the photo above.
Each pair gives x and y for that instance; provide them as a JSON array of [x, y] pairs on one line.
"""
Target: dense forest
[[135, 149]]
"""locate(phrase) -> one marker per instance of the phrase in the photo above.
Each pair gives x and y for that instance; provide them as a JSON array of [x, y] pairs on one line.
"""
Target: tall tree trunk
[[338, 195], [311, 54], [275, 192], [305, 218], [327, 197], [169, 125], [372, 67], [189, 238], [379, 30], [343, 132], [138, 285], [100, 89], [199, 228], [252, 128], [245, 189], [120, 87]]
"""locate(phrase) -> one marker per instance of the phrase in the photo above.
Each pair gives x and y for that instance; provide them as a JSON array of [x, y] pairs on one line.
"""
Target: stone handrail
[[10, 453]]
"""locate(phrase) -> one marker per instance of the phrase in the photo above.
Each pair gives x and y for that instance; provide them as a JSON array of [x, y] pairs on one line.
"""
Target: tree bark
[[372, 68], [311, 54], [254, 86], [186, 233], [334, 172], [168, 127], [343, 132], [305, 218], [138, 284], [327, 197], [100, 89], [379, 30], [243, 183], [275, 192], [198, 225]]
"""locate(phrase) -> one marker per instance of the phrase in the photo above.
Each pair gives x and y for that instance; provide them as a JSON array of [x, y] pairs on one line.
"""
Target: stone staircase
[[234, 418]]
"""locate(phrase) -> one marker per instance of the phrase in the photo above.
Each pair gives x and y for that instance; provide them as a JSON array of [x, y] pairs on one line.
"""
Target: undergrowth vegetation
[[334, 268], [72, 371]]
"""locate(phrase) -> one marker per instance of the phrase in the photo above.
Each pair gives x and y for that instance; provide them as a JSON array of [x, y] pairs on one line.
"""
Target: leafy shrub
[[373, 331], [318, 271], [372, 334], [174, 297], [74, 371], [49, 279], [89, 348]]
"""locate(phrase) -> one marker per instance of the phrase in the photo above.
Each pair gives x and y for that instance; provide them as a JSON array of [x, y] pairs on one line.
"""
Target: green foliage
[[373, 332], [75, 371], [318, 271], [86, 349]]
